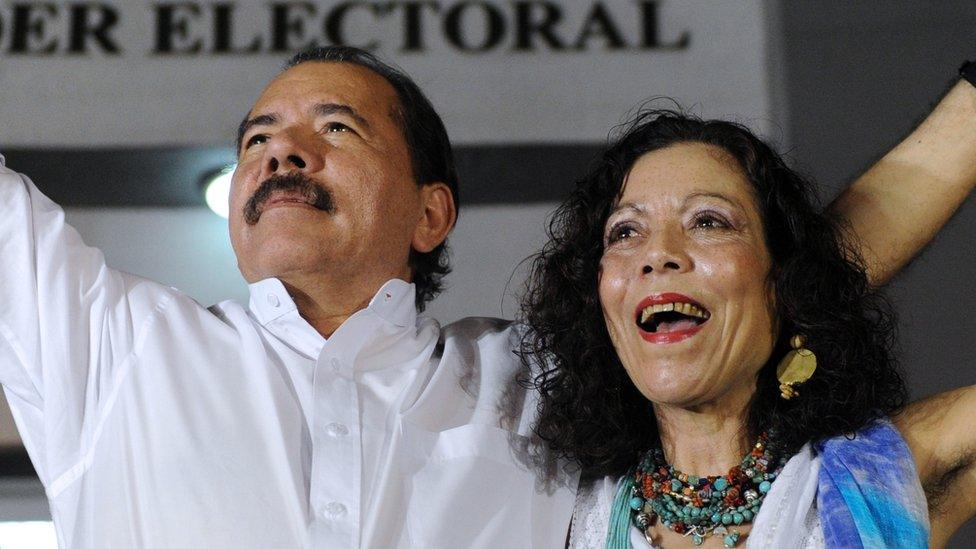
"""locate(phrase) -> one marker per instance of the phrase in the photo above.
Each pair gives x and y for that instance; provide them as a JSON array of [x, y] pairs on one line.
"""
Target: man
[[327, 413]]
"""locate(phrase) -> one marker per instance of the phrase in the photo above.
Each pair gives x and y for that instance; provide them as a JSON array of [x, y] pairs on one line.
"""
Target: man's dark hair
[[590, 410], [431, 156]]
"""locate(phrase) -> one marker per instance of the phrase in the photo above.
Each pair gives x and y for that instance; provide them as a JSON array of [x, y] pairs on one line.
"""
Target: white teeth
[[680, 307]]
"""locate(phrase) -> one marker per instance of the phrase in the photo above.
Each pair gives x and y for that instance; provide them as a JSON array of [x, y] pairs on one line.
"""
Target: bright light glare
[[28, 535], [217, 192]]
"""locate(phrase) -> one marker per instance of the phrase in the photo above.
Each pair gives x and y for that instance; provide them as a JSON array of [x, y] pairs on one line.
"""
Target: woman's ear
[[437, 217]]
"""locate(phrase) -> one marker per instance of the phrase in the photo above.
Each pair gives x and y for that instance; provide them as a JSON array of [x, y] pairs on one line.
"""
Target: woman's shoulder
[[591, 515]]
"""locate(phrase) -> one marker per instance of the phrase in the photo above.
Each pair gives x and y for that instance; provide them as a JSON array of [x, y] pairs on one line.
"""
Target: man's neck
[[324, 306]]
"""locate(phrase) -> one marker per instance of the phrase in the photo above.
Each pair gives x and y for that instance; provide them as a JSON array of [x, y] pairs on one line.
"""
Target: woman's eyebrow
[[708, 194], [627, 206]]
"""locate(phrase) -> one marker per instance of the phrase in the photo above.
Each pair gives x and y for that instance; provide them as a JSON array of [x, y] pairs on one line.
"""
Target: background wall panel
[[833, 83]]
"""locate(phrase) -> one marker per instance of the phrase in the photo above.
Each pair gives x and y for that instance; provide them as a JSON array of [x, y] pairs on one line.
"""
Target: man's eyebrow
[[325, 109], [248, 123]]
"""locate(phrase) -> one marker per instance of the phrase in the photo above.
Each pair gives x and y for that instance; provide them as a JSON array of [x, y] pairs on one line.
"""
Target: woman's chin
[[673, 390]]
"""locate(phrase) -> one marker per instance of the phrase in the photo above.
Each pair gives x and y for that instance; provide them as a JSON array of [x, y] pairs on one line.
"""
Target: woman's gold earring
[[796, 367]]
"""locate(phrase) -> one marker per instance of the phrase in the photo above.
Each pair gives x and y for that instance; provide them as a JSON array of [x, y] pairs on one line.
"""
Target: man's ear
[[437, 219]]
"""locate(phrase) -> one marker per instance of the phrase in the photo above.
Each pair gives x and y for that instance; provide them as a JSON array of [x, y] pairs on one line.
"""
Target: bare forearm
[[898, 205]]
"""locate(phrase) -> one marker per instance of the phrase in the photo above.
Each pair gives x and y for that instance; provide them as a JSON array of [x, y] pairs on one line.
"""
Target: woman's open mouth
[[669, 318]]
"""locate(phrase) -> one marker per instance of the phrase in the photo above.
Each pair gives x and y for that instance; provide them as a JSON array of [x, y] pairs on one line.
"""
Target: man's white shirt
[[155, 422]]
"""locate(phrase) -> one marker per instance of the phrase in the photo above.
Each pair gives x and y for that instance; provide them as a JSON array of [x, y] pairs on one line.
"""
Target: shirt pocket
[[477, 486]]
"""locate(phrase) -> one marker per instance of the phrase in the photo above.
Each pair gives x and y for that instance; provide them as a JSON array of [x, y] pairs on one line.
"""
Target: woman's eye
[[620, 232], [709, 221], [256, 140]]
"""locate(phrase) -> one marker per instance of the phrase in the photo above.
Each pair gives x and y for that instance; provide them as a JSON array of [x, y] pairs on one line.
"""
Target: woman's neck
[[708, 439]]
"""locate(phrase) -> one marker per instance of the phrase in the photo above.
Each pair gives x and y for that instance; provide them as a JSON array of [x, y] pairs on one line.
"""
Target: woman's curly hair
[[591, 412]]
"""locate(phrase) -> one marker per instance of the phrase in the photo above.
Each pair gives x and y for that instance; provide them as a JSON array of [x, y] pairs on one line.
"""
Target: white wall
[[189, 249]]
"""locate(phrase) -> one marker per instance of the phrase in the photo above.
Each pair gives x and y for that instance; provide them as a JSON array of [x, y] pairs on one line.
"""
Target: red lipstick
[[667, 337]]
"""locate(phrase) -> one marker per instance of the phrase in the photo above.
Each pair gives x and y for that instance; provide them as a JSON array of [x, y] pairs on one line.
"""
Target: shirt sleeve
[[66, 321]]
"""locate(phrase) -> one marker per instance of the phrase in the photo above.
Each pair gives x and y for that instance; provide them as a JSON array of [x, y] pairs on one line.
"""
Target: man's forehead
[[318, 81]]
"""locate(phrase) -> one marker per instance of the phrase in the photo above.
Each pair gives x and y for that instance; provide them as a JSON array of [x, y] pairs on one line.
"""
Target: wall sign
[[500, 71], [195, 28]]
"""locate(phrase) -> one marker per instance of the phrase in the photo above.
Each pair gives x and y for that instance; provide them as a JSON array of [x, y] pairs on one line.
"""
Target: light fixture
[[216, 190], [28, 535]]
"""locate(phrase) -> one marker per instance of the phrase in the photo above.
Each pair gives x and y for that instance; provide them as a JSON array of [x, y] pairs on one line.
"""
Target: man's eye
[[256, 140], [336, 127]]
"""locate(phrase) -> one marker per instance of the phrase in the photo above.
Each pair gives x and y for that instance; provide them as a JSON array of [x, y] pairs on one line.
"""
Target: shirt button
[[273, 300], [335, 364], [337, 429], [335, 510]]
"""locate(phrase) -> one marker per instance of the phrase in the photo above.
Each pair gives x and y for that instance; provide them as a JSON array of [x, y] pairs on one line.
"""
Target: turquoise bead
[[716, 518], [737, 518], [695, 511], [730, 541], [747, 515], [636, 503], [726, 518], [697, 540], [675, 485], [721, 484], [764, 486]]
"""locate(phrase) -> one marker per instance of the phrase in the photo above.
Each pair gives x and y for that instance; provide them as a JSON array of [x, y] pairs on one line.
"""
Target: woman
[[683, 272]]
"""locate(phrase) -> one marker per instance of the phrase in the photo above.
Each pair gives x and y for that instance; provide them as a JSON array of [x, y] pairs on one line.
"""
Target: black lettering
[[652, 38], [494, 26], [599, 23], [223, 26], [284, 27], [28, 29], [413, 25], [526, 26], [82, 28], [335, 19], [172, 23]]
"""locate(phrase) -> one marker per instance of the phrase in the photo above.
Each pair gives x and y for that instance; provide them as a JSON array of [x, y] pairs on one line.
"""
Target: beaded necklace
[[702, 506]]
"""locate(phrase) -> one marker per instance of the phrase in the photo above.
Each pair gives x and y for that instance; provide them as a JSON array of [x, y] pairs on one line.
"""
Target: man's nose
[[289, 150]]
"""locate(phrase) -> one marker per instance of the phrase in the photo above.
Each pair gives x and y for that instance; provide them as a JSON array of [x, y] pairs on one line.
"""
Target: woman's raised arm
[[901, 202]]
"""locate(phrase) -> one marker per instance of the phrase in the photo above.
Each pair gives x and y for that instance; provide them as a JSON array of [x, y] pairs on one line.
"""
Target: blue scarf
[[868, 492]]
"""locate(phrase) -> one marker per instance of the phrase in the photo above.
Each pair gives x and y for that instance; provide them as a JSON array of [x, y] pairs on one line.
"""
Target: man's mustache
[[316, 196]]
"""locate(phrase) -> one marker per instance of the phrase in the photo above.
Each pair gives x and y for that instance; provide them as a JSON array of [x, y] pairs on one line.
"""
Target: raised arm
[[66, 320], [894, 210], [898, 205]]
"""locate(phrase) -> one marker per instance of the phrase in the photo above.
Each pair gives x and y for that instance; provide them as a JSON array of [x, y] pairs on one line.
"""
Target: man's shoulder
[[483, 331], [482, 326]]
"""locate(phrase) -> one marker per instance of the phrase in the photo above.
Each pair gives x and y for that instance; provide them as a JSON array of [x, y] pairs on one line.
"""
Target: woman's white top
[[788, 517]]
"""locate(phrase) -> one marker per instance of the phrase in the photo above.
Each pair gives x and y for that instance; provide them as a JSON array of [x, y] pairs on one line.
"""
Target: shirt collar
[[393, 302]]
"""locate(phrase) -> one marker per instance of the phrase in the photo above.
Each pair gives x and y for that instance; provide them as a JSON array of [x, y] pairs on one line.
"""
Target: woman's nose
[[665, 253]]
